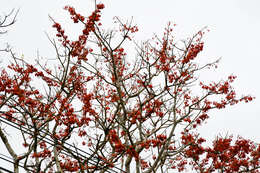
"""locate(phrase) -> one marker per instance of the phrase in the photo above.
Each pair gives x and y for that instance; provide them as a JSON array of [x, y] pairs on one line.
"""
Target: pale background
[[234, 36]]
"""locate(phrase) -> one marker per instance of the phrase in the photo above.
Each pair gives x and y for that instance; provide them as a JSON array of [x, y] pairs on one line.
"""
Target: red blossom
[[121, 110]]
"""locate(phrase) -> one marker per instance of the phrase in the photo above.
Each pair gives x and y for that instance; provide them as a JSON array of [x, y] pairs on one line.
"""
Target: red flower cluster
[[76, 17], [114, 139], [69, 165], [193, 52], [100, 6], [239, 156], [61, 34]]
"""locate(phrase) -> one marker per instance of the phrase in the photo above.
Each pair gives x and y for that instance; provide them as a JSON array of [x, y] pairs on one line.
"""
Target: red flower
[[100, 6]]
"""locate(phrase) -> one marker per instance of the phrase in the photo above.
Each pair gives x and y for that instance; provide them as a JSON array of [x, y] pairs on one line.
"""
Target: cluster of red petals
[[144, 164], [152, 107], [193, 52], [120, 147], [114, 139], [87, 108], [100, 6], [94, 17], [69, 165], [76, 17], [45, 153], [132, 29], [233, 156], [155, 142], [61, 34], [28, 98], [223, 88], [132, 152], [78, 47]]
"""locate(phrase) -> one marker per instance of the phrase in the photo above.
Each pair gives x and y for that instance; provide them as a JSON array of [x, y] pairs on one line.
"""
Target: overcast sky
[[234, 36]]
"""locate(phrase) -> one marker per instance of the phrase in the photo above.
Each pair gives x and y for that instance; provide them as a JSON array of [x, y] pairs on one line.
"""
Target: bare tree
[[6, 21]]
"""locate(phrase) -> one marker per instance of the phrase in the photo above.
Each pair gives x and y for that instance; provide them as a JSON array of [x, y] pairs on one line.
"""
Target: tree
[[6, 21], [99, 110]]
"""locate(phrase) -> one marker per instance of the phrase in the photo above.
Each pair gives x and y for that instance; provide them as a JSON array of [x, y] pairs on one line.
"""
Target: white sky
[[234, 35]]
